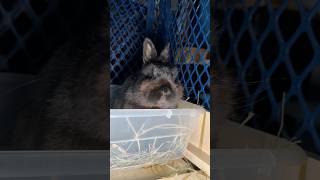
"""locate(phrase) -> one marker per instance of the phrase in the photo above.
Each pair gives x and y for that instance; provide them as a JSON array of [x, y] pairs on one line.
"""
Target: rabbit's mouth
[[161, 93], [155, 89]]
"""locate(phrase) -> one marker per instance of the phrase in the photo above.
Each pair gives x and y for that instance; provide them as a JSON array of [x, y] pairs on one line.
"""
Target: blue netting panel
[[190, 42], [274, 47], [22, 34], [128, 28], [186, 27]]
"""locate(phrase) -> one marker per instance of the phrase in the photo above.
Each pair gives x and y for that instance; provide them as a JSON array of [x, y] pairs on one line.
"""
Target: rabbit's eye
[[148, 77]]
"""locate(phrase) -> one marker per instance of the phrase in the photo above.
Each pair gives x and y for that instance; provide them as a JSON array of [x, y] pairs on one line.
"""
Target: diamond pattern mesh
[[127, 31], [25, 33], [186, 27], [190, 40], [274, 48]]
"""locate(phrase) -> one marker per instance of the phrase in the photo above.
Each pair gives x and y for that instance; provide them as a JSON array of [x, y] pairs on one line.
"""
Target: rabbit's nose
[[165, 89]]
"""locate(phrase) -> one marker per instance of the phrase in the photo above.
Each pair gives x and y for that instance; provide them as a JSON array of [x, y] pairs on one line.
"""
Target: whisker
[[21, 86], [249, 104], [246, 98], [253, 82]]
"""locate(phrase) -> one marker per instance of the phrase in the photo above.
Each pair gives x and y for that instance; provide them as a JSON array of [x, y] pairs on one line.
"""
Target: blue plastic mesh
[[22, 33], [128, 25], [274, 47], [186, 26], [190, 41]]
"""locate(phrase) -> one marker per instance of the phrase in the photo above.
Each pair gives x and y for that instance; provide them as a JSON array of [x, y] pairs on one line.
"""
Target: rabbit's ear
[[149, 51], [165, 52]]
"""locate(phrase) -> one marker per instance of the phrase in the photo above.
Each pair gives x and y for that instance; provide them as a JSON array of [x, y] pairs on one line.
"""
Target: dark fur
[[222, 91], [69, 110], [154, 86]]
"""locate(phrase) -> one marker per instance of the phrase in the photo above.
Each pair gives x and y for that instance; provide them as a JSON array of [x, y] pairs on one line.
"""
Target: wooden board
[[188, 176], [150, 172], [198, 150], [313, 169], [192, 55]]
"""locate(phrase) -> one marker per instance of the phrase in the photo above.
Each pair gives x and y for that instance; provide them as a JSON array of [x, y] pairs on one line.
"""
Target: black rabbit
[[223, 90], [154, 86], [69, 110]]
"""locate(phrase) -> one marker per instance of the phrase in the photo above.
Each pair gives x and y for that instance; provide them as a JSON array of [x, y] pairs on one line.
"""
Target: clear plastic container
[[246, 153], [141, 137]]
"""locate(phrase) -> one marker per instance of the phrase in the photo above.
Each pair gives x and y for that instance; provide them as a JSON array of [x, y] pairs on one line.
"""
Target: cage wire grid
[[274, 47], [22, 30], [190, 39], [127, 30], [185, 24]]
